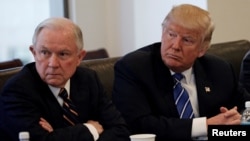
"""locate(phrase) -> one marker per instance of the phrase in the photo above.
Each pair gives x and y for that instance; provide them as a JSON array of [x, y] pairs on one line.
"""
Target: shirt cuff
[[92, 130], [199, 128]]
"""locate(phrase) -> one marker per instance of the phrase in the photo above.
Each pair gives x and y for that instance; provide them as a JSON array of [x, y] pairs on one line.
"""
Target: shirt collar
[[187, 74], [55, 90]]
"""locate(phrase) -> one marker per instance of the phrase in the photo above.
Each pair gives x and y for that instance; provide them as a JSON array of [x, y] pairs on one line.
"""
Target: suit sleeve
[[24, 101], [20, 112]]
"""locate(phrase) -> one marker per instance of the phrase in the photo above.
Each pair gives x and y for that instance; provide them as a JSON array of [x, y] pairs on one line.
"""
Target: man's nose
[[176, 43], [53, 60]]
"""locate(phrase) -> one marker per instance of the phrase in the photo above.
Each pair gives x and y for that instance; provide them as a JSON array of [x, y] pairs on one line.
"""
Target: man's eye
[[170, 34], [44, 52], [64, 54], [188, 41]]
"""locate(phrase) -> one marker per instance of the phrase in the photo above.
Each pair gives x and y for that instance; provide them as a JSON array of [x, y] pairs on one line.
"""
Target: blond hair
[[194, 18]]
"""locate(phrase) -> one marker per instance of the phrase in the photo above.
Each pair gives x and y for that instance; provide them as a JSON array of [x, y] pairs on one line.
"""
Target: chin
[[54, 83]]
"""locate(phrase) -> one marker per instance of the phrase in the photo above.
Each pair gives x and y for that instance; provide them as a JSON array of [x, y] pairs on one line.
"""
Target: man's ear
[[203, 49], [202, 52], [31, 48], [81, 55]]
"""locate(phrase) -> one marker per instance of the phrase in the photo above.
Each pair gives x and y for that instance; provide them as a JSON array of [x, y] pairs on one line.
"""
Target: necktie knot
[[63, 94], [178, 76]]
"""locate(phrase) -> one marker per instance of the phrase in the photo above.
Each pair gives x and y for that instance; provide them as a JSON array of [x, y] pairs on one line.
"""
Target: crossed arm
[[46, 125]]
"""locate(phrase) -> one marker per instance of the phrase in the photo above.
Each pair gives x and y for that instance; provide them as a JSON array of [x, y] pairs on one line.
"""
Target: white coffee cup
[[142, 137]]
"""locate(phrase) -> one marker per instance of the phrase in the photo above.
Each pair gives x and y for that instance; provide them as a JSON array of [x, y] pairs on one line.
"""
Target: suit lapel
[[51, 109], [164, 82], [204, 87], [80, 95], [51, 106]]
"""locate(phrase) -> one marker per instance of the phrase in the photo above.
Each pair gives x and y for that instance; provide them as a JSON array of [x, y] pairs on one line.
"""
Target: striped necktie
[[181, 97], [69, 109]]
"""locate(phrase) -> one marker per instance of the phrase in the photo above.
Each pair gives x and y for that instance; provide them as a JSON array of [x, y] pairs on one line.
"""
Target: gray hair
[[60, 23]]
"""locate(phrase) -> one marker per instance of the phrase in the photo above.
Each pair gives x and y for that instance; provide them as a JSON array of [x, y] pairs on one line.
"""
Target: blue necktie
[[69, 110], [181, 97]]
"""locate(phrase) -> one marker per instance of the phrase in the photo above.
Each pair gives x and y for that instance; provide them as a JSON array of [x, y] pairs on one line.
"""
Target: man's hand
[[226, 117], [45, 125], [97, 126]]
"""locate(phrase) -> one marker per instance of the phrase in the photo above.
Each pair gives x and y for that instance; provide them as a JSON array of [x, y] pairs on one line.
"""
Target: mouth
[[52, 74], [172, 56]]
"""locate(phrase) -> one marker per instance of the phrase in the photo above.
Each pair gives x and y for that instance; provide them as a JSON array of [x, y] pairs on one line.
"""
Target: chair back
[[5, 74], [96, 54], [232, 51], [11, 64]]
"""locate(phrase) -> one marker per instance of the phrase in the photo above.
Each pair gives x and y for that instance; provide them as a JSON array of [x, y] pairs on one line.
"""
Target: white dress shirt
[[199, 126], [56, 91]]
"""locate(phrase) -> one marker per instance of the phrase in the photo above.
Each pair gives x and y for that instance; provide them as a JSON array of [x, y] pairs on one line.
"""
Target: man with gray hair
[[54, 99]]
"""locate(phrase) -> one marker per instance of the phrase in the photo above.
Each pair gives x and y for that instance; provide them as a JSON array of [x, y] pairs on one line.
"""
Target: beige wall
[[122, 26], [232, 19]]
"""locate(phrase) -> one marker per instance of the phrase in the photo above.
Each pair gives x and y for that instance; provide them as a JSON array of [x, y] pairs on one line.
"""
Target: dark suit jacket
[[245, 72], [143, 92], [25, 98]]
